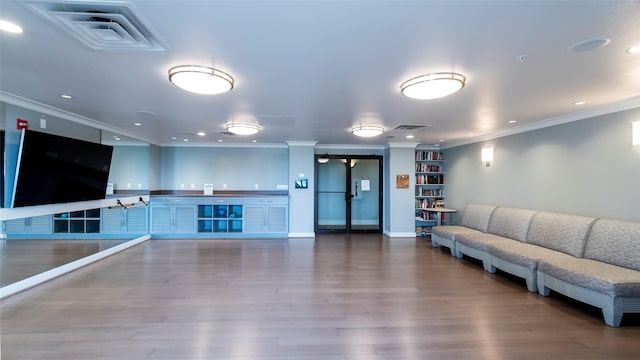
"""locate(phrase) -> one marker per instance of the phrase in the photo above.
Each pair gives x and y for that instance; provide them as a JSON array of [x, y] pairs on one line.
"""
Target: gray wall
[[154, 167], [587, 167], [399, 203], [130, 167], [240, 168]]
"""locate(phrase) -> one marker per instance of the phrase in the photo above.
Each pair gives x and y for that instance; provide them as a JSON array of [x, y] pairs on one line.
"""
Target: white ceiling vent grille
[[410, 127], [104, 25]]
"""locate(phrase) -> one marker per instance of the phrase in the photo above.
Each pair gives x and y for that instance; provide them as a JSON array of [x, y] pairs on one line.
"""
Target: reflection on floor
[[22, 258]]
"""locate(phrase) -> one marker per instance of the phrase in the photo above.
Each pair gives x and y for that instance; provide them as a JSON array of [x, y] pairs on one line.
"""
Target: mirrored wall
[[31, 245]]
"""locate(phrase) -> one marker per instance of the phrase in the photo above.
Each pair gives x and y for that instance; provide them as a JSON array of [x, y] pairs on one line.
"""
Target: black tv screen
[[55, 169]]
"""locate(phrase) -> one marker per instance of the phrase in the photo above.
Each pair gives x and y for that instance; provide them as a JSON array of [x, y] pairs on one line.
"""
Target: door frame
[[348, 194]]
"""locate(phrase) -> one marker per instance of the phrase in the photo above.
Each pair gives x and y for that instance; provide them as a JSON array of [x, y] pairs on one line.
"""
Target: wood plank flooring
[[335, 297], [22, 258]]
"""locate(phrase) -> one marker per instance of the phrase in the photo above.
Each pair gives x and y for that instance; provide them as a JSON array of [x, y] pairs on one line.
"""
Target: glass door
[[365, 195], [348, 193]]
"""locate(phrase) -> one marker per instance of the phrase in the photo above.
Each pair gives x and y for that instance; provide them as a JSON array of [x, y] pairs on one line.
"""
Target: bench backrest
[[476, 216], [615, 242], [560, 232], [511, 223]]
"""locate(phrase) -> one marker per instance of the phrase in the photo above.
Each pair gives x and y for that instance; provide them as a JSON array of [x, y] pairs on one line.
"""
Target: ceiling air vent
[[105, 25], [410, 127]]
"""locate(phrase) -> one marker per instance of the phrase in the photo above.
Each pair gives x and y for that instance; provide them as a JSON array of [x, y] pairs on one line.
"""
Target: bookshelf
[[430, 188]]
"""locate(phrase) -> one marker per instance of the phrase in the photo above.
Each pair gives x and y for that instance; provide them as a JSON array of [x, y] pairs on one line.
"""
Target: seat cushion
[[614, 242], [522, 254], [479, 240], [450, 231], [594, 275]]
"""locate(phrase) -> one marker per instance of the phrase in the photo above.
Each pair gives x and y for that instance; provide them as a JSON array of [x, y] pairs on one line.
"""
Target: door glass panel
[[331, 195], [365, 189]]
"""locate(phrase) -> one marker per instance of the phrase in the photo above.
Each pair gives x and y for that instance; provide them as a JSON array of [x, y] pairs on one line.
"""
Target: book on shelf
[[429, 156]]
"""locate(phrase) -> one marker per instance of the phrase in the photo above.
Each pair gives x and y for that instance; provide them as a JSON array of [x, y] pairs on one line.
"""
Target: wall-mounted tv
[[55, 169]]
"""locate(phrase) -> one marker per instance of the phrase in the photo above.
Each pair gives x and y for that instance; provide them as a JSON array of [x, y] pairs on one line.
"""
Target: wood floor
[[336, 297]]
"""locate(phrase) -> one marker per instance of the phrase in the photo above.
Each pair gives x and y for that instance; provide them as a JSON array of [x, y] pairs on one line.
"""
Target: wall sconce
[[635, 131], [487, 155]]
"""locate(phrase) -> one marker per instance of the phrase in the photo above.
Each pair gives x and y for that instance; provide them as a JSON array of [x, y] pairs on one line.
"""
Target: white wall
[[587, 167]]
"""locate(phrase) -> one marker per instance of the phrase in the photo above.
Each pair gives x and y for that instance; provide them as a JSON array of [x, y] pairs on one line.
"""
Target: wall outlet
[[181, 186], [257, 186], [224, 186], [128, 185], [193, 186], [139, 186]]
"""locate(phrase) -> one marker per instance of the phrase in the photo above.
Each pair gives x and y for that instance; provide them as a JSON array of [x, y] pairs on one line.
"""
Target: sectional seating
[[596, 261], [475, 219]]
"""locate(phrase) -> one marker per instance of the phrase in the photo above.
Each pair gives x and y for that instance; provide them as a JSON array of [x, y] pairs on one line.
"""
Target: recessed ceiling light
[[220, 140], [634, 50], [137, 124], [185, 140], [173, 138], [115, 137], [579, 103], [513, 121], [201, 133], [441, 140], [10, 27], [65, 96], [436, 145], [409, 136], [255, 141]]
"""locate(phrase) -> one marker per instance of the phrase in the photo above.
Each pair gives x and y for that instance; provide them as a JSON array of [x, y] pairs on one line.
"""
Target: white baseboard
[[400, 234], [302, 235]]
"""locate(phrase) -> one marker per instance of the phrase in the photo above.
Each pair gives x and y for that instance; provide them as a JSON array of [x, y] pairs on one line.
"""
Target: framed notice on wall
[[402, 181]]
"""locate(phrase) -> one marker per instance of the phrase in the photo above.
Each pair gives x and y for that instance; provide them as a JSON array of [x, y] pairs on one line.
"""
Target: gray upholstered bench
[[475, 219], [549, 235], [506, 226], [608, 274], [596, 261]]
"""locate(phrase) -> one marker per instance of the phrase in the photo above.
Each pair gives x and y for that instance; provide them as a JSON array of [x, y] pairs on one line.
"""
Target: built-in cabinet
[[268, 215], [430, 189], [77, 222], [168, 216], [220, 215], [31, 225], [173, 215], [119, 220]]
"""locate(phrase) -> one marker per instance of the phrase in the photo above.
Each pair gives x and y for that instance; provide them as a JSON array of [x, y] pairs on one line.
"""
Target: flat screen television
[[55, 169]]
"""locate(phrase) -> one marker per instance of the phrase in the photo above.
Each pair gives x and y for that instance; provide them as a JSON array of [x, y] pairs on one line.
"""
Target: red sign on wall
[[23, 124]]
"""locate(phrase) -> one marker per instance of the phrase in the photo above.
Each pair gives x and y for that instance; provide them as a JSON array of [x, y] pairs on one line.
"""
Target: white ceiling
[[310, 70]]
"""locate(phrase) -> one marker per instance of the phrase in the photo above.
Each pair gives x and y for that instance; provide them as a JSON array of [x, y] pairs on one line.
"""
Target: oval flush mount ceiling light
[[242, 128], [200, 79], [588, 45], [10, 27], [432, 86], [367, 130]]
